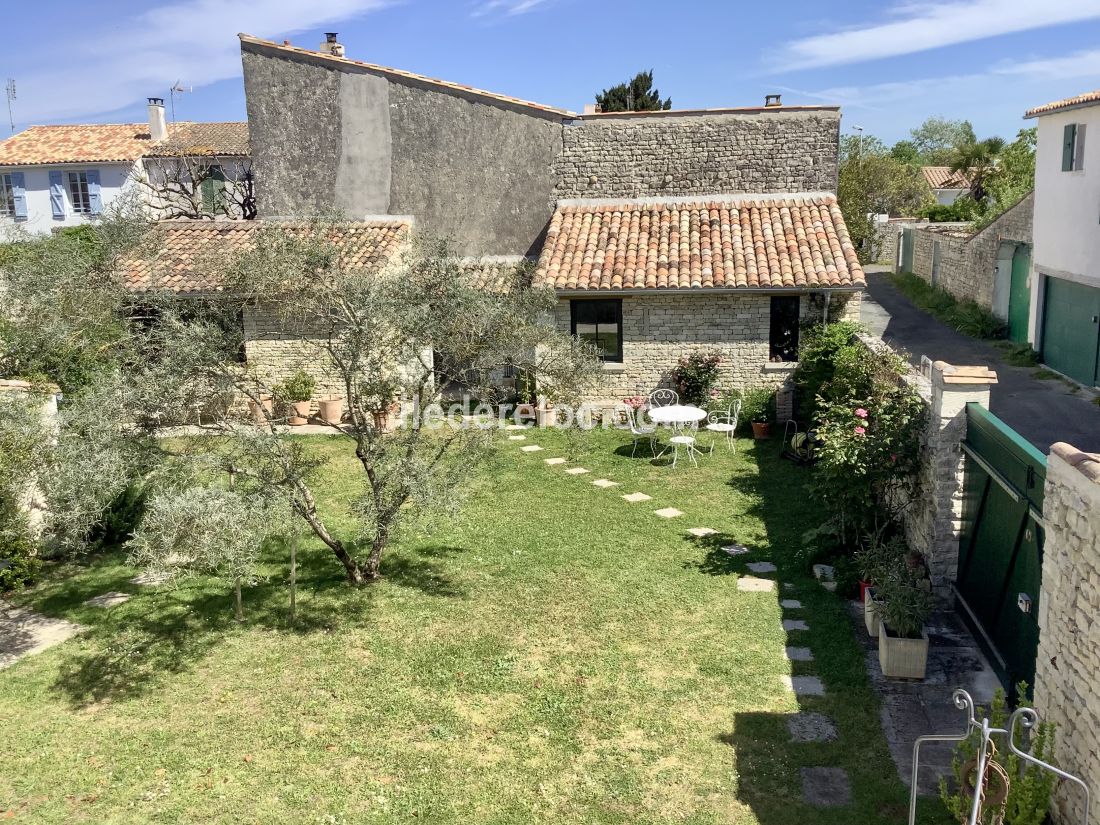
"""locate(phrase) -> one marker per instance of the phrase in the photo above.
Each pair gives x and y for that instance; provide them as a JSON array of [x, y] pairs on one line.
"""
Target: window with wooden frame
[[783, 332], [600, 323], [7, 195], [79, 195]]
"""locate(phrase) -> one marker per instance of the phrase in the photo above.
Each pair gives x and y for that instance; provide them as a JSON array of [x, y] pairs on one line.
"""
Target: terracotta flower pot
[[383, 420], [331, 410], [301, 413], [761, 430], [546, 416], [258, 411]]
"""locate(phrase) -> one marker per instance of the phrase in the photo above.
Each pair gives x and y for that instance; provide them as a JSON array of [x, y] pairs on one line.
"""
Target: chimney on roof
[[592, 108], [772, 100], [331, 45], [158, 128]]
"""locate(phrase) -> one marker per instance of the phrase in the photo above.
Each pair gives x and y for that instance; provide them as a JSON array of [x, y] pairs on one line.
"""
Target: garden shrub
[[818, 353], [757, 405], [696, 375]]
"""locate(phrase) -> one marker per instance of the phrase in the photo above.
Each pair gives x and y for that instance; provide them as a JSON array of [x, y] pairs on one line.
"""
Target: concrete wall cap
[[1088, 464], [964, 375]]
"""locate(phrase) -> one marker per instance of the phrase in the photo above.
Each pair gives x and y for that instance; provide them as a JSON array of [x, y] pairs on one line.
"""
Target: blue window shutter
[[94, 200], [57, 194], [19, 194]]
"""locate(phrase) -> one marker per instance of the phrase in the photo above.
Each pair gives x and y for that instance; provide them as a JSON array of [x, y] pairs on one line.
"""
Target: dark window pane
[[599, 323], [783, 334]]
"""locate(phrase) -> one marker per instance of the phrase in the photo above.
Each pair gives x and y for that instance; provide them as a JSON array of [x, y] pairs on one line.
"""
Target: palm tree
[[977, 160]]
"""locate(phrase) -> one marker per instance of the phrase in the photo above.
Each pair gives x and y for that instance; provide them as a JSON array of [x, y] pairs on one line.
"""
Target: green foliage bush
[[695, 375], [757, 406], [819, 351], [907, 596], [298, 387], [17, 550], [963, 210]]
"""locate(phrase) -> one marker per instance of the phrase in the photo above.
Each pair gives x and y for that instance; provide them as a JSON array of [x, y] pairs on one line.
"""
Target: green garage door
[[1071, 330]]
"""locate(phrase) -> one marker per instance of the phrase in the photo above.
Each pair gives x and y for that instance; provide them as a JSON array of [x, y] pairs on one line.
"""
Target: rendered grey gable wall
[[699, 154], [328, 137]]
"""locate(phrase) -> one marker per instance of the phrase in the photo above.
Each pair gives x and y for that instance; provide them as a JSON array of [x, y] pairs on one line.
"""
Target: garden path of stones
[[821, 786]]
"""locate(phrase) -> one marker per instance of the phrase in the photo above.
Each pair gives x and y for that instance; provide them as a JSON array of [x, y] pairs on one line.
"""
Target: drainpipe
[[825, 313]]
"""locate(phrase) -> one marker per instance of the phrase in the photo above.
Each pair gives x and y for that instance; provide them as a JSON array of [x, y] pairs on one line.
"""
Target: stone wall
[[699, 154], [274, 351], [31, 499], [659, 329], [1067, 675], [968, 264]]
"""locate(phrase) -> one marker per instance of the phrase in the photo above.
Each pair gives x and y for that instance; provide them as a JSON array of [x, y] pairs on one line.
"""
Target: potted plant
[[874, 559], [331, 410], [758, 408], [545, 414], [296, 392], [262, 410], [383, 416], [902, 638]]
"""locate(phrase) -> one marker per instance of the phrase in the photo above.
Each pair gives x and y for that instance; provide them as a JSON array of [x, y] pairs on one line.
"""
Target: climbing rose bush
[[695, 376]]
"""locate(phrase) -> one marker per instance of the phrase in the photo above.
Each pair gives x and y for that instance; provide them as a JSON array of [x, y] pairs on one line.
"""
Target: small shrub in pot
[[907, 603], [296, 392]]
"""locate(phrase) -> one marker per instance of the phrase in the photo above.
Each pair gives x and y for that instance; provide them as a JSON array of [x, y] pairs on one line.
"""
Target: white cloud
[[916, 27], [1081, 64], [142, 55], [507, 8]]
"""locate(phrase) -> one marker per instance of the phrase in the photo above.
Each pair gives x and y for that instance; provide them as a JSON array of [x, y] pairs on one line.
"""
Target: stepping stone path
[[634, 498], [788, 586], [826, 576], [553, 461], [798, 654], [577, 471], [761, 567], [794, 624], [826, 787], [603, 482], [517, 427], [751, 584], [24, 633], [109, 599], [791, 604], [701, 532], [517, 438], [735, 549], [668, 512], [531, 448], [811, 727], [149, 579], [803, 685]]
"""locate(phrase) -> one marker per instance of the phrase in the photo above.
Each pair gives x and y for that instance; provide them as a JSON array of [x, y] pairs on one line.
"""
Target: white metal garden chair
[[663, 397], [640, 431], [724, 423], [687, 442]]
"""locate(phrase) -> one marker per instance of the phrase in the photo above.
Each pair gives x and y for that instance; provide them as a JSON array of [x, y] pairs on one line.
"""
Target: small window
[[600, 323], [7, 196], [783, 337], [1073, 147], [78, 193]]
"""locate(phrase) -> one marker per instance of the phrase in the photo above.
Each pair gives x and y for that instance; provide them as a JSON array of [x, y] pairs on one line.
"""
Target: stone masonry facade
[[659, 329], [676, 155], [1067, 674]]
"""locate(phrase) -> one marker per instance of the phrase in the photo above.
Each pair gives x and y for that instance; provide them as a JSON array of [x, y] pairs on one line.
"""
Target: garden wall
[[1067, 674], [659, 329]]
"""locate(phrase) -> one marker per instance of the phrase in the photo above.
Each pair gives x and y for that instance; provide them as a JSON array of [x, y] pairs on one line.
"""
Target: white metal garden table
[[680, 418]]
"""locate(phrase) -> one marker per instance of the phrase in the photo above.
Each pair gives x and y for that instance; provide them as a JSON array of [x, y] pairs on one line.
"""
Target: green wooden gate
[[1019, 295], [1071, 330], [907, 250], [1001, 545]]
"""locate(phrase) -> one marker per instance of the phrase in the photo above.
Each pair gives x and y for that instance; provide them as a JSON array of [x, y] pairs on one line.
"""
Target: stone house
[[662, 232]]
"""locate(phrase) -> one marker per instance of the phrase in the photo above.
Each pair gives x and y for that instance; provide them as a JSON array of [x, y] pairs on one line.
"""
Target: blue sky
[[888, 63]]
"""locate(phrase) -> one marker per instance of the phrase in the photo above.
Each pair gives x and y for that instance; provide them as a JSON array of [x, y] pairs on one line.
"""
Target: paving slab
[[531, 448], [791, 604], [826, 787], [804, 685], [761, 567], [788, 586], [605, 483], [811, 727], [795, 624], [108, 599], [824, 573], [799, 654], [735, 549], [751, 584], [553, 461], [517, 438], [516, 427], [149, 578], [577, 471], [24, 633], [668, 512], [634, 498], [701, 532]]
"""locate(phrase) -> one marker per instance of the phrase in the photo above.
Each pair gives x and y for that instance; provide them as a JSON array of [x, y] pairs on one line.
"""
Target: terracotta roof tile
[[118, 142], [186, 250], [723, 242], [1085, 99], [941, 177]]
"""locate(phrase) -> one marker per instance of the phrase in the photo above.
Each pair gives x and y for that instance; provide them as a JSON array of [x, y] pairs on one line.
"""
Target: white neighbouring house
[[66, 175], [1064, 324], [947, 186]]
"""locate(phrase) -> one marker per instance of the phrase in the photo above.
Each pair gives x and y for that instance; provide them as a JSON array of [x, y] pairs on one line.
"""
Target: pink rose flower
[[861, 430], [861, 413]]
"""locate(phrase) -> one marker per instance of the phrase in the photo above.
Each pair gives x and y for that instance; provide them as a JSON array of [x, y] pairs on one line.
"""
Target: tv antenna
[[9, 91], [177, 88]]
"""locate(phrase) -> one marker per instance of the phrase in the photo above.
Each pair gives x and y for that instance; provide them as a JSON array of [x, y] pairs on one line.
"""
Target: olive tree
[[390, 340]]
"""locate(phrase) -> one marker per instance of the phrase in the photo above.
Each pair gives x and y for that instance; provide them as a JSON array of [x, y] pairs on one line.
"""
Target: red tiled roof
[[186, 252], [400, 73], [941, 177], [727, 242], [118, 142], [1085, 99]]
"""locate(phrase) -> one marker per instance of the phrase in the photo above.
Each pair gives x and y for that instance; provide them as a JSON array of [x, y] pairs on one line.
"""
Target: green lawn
[[552, 653]]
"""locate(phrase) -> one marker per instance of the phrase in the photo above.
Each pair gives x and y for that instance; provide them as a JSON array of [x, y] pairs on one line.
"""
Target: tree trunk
[[237, 599], [308, 511], [374, 560]]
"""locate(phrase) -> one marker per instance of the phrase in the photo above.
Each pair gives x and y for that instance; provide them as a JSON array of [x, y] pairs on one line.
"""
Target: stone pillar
[[952, 388], [1067, 667]]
